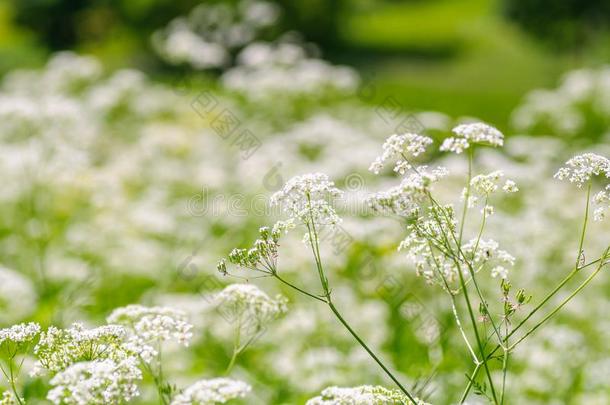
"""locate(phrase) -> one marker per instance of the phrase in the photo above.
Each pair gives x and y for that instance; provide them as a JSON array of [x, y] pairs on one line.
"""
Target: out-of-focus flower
[[213, 391], [364, 395], [247, 304], [18, 297], [266, 70], [151, 326]]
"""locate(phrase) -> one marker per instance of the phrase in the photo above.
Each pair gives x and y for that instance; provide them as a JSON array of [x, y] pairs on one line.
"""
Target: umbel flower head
[[581, 168], [401, 147], [213, 391], [466, 135], [247, 304], [57, 348], [263, 255], [405, 199], [96, 382], [19, 334], [484, 185], [307, 199], [151, 326], [362, 395]]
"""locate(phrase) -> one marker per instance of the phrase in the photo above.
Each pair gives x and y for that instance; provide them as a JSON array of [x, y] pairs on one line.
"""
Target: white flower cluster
[[402, 147], [438, 266], [267, 69], [419, 248], [57, 348], [97, 382], [406, 198], [579, 105], [581, 168], [213, 391], [8, 399], [151, 326], [207, 36], [21, 333], [263, 256], [308, 199], [602, 201], [484, 251], [247, 304], [483, 185], [362, 395], [470, 134]]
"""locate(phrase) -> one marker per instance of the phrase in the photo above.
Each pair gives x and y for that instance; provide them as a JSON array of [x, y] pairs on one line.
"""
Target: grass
[[463, 60]]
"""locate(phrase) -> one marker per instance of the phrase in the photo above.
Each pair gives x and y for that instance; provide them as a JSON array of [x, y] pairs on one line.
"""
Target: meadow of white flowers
[[462, 267]]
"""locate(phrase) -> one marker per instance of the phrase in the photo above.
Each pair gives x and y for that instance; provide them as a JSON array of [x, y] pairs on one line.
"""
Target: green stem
[[298, 289], [453, 304], [601, 262], [313, 237], [562, 304], [504, 368], [467, 298], [478, 338], [369, 351], [468, 264], [579, 253], [470, 382], [467, 196], [570, 275], [12, 383]]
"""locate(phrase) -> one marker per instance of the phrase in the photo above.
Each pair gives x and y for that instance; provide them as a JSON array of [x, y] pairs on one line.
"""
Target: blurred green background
[[468, 57]]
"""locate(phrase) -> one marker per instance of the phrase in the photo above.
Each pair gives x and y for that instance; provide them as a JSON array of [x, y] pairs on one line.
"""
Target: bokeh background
[[121, 185]]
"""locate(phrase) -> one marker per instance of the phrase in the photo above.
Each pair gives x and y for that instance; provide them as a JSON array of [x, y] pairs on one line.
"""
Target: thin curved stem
[[313, 238], [467, 196], [369, 351], [470, 382], [562, 304], [478, 338], [504, 367], [289, 284]]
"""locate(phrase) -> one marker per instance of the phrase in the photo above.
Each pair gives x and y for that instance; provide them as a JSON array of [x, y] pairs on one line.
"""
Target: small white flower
[[21, 333], [401, 147], [249, 305], [213, 391], [488, 210], [485, 184], [581, 168], [499, 271], [8, 399], [405, 199], [602, 201], [476, 133], [308, 199], [57, 349], [510, 187]]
